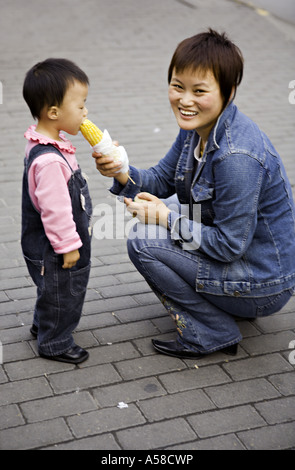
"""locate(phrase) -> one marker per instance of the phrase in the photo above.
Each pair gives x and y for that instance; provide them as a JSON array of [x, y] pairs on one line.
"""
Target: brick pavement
[[246, 402]]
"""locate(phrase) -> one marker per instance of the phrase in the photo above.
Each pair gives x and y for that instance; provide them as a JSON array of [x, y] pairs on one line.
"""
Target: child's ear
[[52, 112]]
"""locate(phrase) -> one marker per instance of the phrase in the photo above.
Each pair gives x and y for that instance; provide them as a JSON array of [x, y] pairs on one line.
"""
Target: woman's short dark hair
[[46, 83], [210, 51]]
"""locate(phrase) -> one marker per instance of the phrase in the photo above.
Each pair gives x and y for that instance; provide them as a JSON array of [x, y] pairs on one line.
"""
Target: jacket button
[[200, 285], [237, 293]]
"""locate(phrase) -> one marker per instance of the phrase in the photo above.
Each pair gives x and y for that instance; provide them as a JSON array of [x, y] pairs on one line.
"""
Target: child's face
[[196, 100], [72, 111]]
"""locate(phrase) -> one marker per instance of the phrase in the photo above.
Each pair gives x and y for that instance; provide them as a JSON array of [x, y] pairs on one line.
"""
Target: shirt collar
[[63, 144]]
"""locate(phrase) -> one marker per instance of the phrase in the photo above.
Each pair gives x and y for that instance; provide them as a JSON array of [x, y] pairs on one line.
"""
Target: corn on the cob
[[104, 144], [91, 132]]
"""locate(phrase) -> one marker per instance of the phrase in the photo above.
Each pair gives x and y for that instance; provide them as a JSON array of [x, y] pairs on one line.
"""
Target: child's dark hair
[[210, 51], [47, 82]]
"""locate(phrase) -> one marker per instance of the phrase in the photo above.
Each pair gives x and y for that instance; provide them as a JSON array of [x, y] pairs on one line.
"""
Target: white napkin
[[107, 148]]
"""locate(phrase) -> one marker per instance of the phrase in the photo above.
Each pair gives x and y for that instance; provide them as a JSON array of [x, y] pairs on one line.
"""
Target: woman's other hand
[[148, 209]]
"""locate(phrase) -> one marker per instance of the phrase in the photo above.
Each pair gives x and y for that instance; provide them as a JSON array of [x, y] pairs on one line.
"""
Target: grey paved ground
[[247, 402]]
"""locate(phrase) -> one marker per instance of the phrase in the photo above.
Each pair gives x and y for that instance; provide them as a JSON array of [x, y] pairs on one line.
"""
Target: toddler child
[[56, 207]]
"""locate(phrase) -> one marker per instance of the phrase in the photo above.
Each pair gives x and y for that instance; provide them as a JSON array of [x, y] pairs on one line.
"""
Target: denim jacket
[[244, 234]]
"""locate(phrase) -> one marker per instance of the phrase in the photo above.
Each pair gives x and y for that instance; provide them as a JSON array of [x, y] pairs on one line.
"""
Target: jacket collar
[[218, 130]]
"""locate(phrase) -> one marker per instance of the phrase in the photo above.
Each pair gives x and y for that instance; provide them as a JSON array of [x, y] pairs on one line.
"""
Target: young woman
[[231, 251]]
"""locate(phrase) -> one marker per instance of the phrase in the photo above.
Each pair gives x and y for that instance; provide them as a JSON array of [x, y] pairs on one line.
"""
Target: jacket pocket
[[202, 191], [236, 289], [79, 280]]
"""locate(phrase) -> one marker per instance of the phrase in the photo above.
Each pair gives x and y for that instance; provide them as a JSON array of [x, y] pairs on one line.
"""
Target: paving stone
[[131, 391], [11, 416], [155, 436], [285, 383], [102, 442], [178, 404], [278, 437], [140, 313], [241, 392], [194, 378], [34, 368], [268, 342], [109, 305], [225, 421], [58, 406], [32, 436], [227, 442], [83, 378], [111, 353], [277, 411], [120, 333], [3, 376], [23, 390], [99, 320], [277, 322], [126, 289], [17, 351], [101, 421], [257, 367], [145, 366]]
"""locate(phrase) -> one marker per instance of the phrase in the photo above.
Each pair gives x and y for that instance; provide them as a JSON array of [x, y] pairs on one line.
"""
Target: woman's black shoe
[[74, 355], [175, 349]]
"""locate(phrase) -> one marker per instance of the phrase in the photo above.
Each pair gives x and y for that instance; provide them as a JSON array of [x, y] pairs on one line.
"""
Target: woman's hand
[[107, 166], [148, 209]]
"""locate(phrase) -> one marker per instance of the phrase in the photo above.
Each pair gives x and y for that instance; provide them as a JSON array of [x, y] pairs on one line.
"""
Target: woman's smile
[[196, 100], [188, 114]]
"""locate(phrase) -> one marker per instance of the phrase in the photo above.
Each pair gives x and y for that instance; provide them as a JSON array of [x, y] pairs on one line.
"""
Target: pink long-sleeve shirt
[[48, 187]]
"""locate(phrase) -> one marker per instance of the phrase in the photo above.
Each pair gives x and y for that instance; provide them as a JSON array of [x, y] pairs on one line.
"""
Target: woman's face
[[196, 100]]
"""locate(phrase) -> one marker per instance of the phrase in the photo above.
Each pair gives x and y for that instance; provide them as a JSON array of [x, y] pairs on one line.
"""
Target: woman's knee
[[143, 239]]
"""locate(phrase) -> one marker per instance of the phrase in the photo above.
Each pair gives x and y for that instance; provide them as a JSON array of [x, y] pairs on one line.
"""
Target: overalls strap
[[41, 149]]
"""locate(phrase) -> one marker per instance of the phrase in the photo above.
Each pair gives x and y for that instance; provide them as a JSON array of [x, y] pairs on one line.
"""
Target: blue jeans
[[60, 298], [205, 322]]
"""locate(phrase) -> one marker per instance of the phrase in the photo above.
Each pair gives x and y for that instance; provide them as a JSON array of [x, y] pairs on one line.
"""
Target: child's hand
[[71, 259]]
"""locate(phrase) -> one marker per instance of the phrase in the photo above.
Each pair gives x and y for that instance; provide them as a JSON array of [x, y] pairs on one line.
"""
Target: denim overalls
[[60, 292]]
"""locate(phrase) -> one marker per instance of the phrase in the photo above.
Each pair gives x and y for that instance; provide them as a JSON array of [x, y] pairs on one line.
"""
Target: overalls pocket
[[79, 280], [36, 270]]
